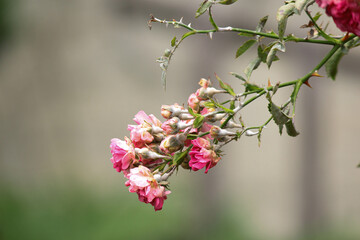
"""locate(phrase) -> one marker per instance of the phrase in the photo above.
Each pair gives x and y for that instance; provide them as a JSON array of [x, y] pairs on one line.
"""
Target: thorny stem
[[299, 81], [239, 30]]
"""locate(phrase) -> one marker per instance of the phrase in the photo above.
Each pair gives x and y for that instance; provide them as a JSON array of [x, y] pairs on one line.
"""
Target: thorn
[[307, 83], [346, 37], [316, 74], [211, 35], [269, 83]]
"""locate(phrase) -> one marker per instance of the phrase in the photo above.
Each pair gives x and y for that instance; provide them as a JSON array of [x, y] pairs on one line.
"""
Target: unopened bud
[[167, 52], [205, 82], [206, 93], [230, 124], [147, 154], [168, 111], [250, 133], [173, 143], [217, 132], [171, 125]]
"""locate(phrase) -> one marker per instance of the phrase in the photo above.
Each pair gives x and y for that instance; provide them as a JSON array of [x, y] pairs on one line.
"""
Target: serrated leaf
[[198, 121], [173, 42], [331, 65], [290, 128], [278, 115], [227, 2], [248, 44], [282, 15], [238, 76], [299, 5], [225, 86], [203, 8], [254, 64], [279, 46]]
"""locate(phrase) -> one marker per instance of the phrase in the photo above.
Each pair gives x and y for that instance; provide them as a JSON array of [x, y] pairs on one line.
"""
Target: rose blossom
[[346, 13], [202, 155], [148, 125], [194, 102], [122, 154], [142, 181]]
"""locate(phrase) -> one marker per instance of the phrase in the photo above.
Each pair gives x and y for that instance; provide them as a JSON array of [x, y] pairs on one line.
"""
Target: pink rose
[[142, 134], [123, 154], [194, 102], [202, 155], [142, 182], [346, 14]]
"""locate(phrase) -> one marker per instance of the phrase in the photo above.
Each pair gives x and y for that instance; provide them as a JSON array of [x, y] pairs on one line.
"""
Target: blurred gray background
[[74, 73]]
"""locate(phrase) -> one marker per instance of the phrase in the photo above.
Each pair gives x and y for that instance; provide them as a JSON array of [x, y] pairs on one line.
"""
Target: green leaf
[[254, 64], [261, 25], [198, 121], [331, 65], [299, 5], [179, 157], [191, 111], [278, 115], [209, 105], [222, 107], [251, 87], [238, 76], [173, 42], [244, 47], [358, 165], [227, 2], [282, 15], [225, 86], [279, 46], [203, 8], [317, 16], [290, 128]]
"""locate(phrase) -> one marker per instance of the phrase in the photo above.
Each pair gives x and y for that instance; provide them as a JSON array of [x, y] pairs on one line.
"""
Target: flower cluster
[[188, 138], [346, 14]]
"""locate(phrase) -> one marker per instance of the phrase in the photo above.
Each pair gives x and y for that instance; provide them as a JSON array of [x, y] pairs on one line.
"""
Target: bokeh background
[[74, 73]]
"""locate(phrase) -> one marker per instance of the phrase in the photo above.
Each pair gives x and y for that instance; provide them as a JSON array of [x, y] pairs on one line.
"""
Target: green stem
[[299, 81], [240, 30]]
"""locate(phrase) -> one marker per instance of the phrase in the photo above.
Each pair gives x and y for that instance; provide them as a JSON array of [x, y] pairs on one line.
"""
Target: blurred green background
[[74, 73]]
